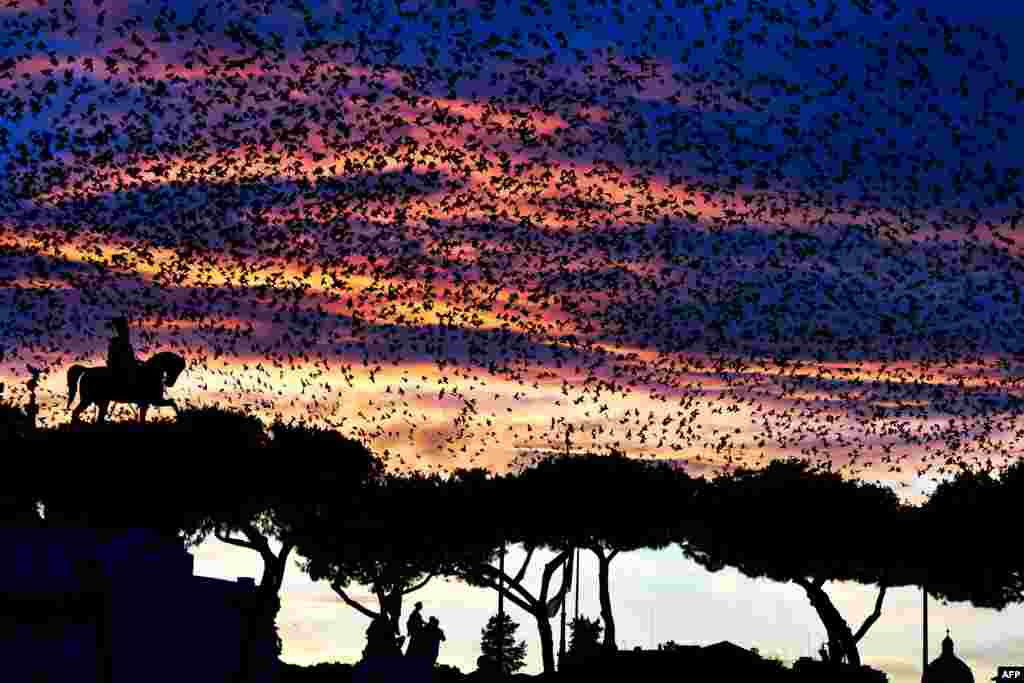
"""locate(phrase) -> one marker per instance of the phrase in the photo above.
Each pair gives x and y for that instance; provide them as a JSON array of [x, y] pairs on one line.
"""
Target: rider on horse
[[120, 354]]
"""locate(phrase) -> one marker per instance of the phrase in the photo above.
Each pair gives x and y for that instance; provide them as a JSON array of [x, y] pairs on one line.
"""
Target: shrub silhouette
[[670, 646], [444, 673], [501, 646], [585, 637], [323, 672]]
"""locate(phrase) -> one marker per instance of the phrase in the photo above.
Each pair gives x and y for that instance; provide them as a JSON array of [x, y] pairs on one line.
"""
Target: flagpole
[[561, 647], [924, 628], [577, 583], [501, 609]]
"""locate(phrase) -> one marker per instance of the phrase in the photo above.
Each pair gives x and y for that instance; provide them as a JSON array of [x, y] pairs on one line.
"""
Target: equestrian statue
[[124, 379]]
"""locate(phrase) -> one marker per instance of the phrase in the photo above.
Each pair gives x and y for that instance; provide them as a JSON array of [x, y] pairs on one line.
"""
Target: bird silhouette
[[764, 221]]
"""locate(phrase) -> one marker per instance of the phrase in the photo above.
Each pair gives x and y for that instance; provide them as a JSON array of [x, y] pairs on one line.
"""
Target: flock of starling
[[713, 231]]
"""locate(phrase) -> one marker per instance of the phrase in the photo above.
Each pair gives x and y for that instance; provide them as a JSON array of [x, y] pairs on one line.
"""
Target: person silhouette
[[120, 354], [423, 647], [433, 635], [414, 627]]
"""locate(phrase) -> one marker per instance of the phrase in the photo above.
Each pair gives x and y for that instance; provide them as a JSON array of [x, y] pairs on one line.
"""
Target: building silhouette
[[723, 660], [948, 668], [77, 604]]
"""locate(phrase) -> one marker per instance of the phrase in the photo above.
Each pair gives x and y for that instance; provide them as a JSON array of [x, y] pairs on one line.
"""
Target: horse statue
[[101, 386]]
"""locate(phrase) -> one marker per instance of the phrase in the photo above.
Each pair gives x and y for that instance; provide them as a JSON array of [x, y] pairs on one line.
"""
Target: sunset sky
[[467, 232]]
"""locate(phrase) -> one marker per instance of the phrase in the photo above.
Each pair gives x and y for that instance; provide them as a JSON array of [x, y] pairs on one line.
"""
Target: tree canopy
[[519, 513], [961, 544], [792, 522], [211, 471], [394, 536], [609, 504], [357, 524]]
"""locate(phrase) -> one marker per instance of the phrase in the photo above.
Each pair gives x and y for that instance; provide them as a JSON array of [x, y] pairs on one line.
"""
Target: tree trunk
[[604, 595], [392, 609], [549, 606], [840, 638], [259, 616], [541, 606], [547, 641], [263, 615], [273, 575]]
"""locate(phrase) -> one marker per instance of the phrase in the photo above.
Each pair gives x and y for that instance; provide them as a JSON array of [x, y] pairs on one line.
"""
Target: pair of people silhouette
[[424, 638]]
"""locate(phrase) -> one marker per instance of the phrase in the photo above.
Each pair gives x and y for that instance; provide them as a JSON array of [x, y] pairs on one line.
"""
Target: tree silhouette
[[245, 497], [958, 525], [505, 509], [396, 535], [498, 644], [282, 500], [788, 522], [610, 504], [91, 489], [277, 502], [370, 541]]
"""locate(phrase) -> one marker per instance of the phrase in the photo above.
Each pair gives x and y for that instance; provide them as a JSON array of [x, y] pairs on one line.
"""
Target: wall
[[70, 597]]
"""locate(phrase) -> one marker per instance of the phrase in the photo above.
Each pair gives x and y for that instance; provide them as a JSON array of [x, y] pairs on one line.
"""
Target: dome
[[948, 668]]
